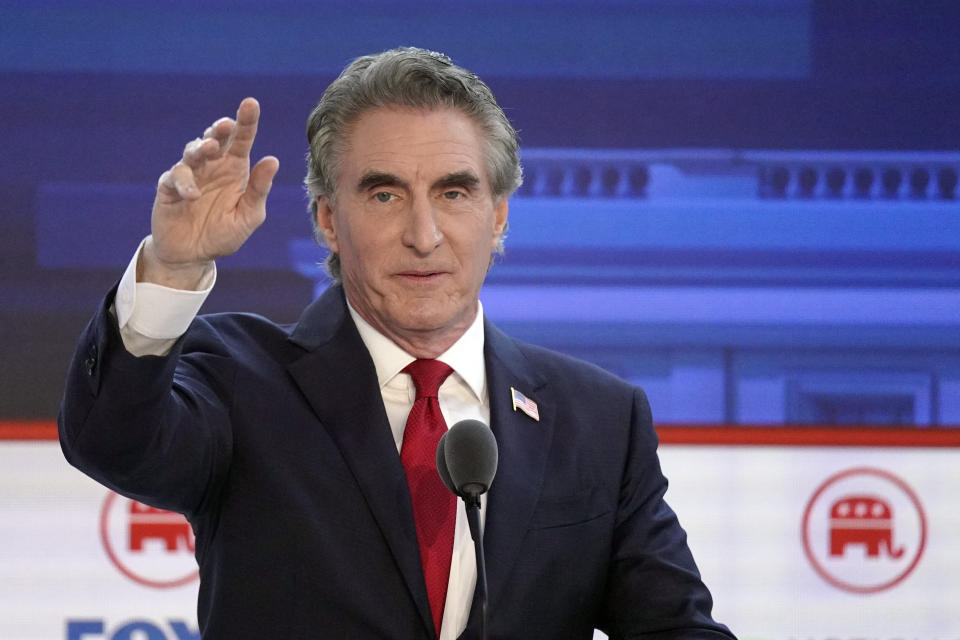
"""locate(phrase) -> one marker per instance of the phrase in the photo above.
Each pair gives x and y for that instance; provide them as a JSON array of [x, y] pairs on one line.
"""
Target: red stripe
[[676, 434], [28, 430], [809, 436]]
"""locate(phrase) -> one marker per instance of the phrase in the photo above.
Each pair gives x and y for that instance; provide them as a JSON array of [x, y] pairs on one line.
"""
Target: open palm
[[209, 203]]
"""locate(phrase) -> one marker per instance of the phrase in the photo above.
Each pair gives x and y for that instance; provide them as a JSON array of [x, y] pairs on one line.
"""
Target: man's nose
[[422, 231]]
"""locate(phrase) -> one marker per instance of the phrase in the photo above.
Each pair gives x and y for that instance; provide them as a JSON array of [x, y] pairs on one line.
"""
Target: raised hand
[[208, 203]]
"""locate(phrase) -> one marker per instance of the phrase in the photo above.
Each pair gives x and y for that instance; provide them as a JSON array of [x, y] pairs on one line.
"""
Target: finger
[[221, 131], [217, 129], [178, 183], [261, 180], [248, 117], [199, 150]]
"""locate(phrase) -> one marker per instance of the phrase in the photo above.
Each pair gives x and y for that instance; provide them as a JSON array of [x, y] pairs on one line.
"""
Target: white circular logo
[[864, 530], [150, 546]]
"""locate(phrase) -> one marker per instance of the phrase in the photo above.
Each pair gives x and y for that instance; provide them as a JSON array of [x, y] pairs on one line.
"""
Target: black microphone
[[467, 459], [467, 462]]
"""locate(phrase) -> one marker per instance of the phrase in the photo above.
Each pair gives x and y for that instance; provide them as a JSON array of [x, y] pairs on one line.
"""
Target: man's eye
[[383, 196], [452, 195]]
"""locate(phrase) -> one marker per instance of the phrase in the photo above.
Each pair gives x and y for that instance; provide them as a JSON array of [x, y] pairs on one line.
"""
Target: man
[[287, 446]]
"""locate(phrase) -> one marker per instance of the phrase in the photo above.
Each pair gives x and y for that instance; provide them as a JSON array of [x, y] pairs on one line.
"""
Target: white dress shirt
[[151, 318], [462, 395]]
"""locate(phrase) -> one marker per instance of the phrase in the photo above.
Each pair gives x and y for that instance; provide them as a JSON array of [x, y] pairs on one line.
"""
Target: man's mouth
[[418, 275]]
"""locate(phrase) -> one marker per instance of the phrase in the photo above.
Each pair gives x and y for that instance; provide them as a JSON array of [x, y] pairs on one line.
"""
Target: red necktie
[[434, 507]]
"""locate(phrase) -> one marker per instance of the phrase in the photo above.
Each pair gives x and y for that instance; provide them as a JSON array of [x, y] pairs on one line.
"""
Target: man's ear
[[325, 223], [500, 211]]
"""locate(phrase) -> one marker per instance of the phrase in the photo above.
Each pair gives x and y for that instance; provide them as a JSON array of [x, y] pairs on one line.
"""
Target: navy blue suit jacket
[[274, 442]]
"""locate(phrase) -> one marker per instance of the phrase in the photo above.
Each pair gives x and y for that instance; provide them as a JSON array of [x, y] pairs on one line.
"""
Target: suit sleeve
[[153, 428], [654, 588]]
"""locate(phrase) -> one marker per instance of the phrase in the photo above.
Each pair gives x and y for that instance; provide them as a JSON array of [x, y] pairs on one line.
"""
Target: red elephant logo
[[862, 519], [152, 547], [148, 523], [877, 514]]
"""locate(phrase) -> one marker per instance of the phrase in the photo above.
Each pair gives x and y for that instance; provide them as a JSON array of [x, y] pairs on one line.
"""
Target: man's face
[[414, 224]]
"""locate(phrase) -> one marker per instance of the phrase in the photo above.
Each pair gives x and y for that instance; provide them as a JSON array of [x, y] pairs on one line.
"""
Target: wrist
[[174, 275]]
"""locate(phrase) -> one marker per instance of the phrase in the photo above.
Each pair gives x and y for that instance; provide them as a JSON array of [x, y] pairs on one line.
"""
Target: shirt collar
[[465, 356]]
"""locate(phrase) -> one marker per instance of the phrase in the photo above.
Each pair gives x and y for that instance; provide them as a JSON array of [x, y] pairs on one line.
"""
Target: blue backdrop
[[747, 206]]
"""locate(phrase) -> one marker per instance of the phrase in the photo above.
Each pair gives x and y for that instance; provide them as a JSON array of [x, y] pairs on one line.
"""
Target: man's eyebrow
[[373, 179], [466, 179]]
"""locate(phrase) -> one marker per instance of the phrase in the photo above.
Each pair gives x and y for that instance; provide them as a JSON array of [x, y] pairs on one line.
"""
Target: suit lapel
[[524, 446], [339, 380]]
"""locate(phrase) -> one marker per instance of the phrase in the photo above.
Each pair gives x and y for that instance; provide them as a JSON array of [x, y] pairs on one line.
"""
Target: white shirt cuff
[[151, 317]]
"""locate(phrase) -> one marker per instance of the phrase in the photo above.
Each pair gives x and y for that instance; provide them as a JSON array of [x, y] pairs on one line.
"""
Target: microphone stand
[[473, 449], [471, 499]]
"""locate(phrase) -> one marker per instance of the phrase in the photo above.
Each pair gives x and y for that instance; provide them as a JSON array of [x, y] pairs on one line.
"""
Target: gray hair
[[407, 77]]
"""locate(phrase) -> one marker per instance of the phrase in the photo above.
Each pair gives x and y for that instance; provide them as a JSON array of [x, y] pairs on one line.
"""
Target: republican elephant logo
[[863, 520], [864, 530], [150, 546], [149, 523]]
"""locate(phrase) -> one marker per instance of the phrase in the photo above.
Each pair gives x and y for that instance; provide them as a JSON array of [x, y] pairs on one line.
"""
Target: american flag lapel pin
[[525, 404]]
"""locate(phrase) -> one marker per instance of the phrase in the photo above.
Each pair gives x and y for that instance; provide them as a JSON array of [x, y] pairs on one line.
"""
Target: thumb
[[261, 180]]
